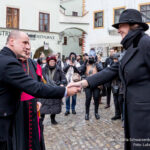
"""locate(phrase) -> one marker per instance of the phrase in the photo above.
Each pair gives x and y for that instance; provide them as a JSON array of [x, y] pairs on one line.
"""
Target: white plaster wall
[[72, 5], [72, 42], [29, 20], [29, 12], [97, 37], [37, 42], [3, 38]]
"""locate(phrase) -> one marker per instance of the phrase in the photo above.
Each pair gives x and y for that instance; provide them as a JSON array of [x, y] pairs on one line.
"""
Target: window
[[74, 13], [44, 22], [117, 13], [65, 41], [12, 18], [145, 10], [98, 19], [80, 41]]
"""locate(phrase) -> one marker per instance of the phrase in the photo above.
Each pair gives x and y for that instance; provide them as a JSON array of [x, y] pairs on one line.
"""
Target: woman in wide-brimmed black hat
[[131, 17], [134, 72]]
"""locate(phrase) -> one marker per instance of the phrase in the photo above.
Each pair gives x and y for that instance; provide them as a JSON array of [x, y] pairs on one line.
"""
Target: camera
[[91, 60], [73, 59]]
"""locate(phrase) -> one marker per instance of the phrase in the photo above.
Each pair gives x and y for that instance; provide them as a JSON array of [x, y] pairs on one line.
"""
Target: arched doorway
[[73, 40], [41, 50]]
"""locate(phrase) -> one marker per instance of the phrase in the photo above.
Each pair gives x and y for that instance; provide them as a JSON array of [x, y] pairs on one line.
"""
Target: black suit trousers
[[117, 105], [108, 94], [6, 133], [89, 93]]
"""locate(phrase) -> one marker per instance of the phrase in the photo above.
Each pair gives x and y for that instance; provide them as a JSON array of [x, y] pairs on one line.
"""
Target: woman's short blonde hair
[[134, 26]]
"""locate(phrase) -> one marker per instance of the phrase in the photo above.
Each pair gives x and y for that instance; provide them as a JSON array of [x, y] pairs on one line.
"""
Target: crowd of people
[[30, 89], [77, 67]]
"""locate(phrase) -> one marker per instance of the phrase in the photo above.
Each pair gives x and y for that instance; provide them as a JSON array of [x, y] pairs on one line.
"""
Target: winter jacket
[[134, 72]]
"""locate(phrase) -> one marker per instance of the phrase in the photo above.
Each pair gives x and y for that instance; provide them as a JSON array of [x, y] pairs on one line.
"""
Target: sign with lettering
[[40, 36], [32, 36], [4, 33]]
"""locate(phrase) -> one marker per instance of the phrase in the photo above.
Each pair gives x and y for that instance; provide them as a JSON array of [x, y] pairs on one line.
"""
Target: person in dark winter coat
[[134, 71], [42, 60], [59, 61], [102, 89], [115, 86], [79, 59], [108, 63], [13, 81], [89, 68], [85, 57], [53, 75]]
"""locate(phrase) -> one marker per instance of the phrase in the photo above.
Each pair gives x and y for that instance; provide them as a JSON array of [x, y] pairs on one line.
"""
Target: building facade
[[103, 13], [76, 20], [45, 22]]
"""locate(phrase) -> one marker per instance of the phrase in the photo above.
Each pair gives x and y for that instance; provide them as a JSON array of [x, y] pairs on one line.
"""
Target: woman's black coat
[[53, 106], [134, 71]]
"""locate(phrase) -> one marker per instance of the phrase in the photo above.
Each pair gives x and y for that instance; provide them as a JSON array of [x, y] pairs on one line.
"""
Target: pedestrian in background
[[79, 59], [102, 87], [90, 68], [115, 86], [85, 57], [108, 63], [53, 75], [42, 60], [70, 69], [59, 61]]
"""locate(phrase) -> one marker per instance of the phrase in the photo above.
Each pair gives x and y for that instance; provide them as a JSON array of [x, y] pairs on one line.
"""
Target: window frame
[[74, 12], [44, 20], [18, 17], [117, 8], [65, 40], [144, 4], [99, 11], [80, 41]]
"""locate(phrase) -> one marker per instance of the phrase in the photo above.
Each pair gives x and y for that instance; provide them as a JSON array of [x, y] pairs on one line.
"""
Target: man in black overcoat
[[13, 80]]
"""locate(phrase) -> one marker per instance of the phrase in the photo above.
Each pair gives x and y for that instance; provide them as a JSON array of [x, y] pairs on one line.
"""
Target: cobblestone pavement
[[74, 133]]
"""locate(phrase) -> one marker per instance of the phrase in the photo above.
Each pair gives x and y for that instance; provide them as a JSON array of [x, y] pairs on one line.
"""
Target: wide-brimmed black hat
[[131, 16]]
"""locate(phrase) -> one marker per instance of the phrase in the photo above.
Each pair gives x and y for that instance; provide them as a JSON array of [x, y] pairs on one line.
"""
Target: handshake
[[75, 87]]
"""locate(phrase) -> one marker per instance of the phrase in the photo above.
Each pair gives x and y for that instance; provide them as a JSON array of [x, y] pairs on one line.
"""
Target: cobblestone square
[[75, 133]]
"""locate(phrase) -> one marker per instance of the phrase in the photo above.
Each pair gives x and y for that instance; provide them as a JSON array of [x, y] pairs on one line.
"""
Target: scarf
[[52, 67], [51, 73], [129, 38]]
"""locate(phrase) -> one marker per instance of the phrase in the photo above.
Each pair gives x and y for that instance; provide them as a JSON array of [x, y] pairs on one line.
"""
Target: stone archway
[[40, 50], [75, 41]]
